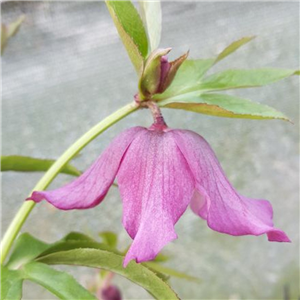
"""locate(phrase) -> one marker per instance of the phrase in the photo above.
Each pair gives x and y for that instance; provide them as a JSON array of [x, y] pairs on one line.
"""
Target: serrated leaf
[[171, 272], [11, 284], [95, 258], [29, 164], [26, 248], [61, 284], [109, 238], [75, 240], [234, 79], [233, 47], [152, 18], [188, 75], [73, 244], [221, 105], [131, 30], [162, 276], [192, 71]]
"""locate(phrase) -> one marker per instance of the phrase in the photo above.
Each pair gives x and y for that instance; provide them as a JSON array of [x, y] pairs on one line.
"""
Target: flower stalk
[[156, 113], [49, 176]]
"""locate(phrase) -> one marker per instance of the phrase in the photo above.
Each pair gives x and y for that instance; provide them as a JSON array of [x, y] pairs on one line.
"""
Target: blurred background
[[66, 69]]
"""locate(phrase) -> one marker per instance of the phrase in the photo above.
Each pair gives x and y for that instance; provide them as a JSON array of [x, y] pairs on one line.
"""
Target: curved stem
[[27, 206], [156, 113]]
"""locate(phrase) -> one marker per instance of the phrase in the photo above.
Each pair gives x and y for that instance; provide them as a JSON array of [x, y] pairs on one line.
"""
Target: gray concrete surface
[[67, 69]]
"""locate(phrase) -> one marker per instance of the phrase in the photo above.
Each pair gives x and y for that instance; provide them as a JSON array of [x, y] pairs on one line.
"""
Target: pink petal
[[90, 188], [217, 201], [156, 186]]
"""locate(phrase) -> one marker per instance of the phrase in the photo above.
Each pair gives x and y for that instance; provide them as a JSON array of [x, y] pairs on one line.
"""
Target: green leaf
[[3, 37], [75, 240], [95, 258], [26, 248], [77, 236], [131, 30], [192, 71], [234, 79], [30, 164], [13, 27], [109, 238], [221, 105], [61, 284], [11, 284], [233, 47], [171, 272], [188, 75], [152, 17], [160, 257], [70, 245], [7, 31]]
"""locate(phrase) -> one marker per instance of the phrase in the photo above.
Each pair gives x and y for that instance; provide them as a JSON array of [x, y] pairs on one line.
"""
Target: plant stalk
[[49, 176]]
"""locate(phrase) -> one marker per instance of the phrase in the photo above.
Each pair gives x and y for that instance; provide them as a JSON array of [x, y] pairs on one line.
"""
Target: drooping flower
[[160, 171]]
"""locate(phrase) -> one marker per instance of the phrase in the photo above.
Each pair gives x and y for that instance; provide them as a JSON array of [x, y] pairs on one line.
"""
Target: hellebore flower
[[160, 171]]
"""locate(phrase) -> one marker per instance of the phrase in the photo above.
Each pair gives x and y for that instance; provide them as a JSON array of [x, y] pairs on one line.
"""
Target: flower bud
[[158, 73], [110, 293], [151, 76]]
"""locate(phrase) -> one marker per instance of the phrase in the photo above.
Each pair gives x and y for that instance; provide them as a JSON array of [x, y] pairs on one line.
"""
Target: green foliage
[[25, 249], [222, 105], [190, 90], [233, 47], [77, 236], [11, 284], [30, 164], [61, 284], [29, 256], [131, 30], [169, 271], [191, 72], [152, 18], [109, 238], [96, 258], [9, 30], [188, 75], [75, 244], [234, 79], [161, 257]]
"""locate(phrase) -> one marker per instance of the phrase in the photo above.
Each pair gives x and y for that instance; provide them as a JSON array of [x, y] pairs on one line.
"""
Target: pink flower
[[160, 171]]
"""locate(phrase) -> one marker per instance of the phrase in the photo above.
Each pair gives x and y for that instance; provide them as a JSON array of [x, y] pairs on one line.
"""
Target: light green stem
[[27, 206]]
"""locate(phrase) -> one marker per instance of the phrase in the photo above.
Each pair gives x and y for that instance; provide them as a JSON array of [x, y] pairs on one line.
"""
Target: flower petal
[[156, 186], [90, 188], [217, 201]]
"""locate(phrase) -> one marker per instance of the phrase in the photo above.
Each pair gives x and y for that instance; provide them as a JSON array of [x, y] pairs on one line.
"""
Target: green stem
[[27, 206]]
